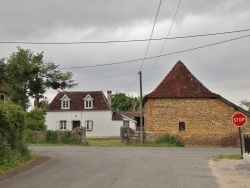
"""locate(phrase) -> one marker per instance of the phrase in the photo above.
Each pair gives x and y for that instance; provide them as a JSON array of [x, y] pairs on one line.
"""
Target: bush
[[12, 124], [66, 137], [51, 137], [36, 120], [170, 140], [28, 136]]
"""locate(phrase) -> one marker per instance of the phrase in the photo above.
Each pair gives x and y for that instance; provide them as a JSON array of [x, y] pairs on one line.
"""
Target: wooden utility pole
[[141, 119]]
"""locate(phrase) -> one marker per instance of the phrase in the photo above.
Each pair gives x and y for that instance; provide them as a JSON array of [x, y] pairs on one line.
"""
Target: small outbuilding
[[182, 106]]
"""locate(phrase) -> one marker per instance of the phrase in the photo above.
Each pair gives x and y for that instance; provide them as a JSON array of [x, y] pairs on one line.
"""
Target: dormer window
[[65, 102], [88, 102]]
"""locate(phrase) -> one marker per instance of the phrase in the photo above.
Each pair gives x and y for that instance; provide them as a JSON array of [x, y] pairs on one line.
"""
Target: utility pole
[[141, 119]]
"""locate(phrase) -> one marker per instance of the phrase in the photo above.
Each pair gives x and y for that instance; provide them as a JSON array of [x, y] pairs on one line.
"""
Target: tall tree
[[123, 102], [28, 75], [245, 104]]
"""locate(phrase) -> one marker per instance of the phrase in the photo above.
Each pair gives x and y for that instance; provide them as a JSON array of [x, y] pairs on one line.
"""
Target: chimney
[[109, 95]]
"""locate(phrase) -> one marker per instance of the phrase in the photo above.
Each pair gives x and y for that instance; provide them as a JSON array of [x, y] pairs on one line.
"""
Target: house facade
[[182, 106], [89, 109]]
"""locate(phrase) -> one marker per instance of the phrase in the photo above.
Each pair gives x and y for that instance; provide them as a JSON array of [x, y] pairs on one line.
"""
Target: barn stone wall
[[207, 121]]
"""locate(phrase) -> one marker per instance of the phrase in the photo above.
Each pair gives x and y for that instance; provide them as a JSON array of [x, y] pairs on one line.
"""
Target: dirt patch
[[40, 160], [231, 173]]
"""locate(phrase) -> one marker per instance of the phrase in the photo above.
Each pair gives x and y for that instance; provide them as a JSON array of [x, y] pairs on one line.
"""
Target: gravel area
[[231, 173]]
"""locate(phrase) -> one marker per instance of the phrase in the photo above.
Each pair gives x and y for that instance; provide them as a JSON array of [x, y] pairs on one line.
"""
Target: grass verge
[[233, 157], [104, 142], [7, 167], [58, 144]]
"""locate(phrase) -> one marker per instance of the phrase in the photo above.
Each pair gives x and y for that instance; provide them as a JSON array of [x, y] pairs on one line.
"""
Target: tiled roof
[[77, 102], [131, 114], [181, 83]]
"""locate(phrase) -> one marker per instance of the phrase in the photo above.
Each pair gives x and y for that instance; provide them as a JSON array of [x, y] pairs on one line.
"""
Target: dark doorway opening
[[76, 124]]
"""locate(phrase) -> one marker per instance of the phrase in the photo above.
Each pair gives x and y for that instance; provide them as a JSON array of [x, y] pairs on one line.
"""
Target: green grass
[[7, 167], [104, 142], [166, 141], [57, 144], [233, 157]]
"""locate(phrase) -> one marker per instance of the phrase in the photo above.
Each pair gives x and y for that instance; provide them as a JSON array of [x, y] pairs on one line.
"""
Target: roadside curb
[[40, 161]]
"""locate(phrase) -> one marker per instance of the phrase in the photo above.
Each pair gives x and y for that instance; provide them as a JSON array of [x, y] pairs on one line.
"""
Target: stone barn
[[182, 106]]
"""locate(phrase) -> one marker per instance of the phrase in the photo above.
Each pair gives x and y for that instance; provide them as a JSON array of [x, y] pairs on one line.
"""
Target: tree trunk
[[36, 101]]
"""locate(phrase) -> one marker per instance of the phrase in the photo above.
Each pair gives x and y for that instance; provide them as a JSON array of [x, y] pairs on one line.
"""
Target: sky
[[222, 68]]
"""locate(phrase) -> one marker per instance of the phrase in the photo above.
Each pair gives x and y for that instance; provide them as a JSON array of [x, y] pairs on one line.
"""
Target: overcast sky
[[223, 69]]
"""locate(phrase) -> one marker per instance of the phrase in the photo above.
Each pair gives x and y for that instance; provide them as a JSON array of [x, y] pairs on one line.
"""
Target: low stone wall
[[130, 136], [40, 136]]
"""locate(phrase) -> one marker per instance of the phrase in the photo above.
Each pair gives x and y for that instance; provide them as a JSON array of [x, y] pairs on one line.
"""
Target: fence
[[247, 143]]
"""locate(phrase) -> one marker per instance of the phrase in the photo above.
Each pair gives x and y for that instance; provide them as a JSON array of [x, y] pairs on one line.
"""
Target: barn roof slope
[[181, 83]]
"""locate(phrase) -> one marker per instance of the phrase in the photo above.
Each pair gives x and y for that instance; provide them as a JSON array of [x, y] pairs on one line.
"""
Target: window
[[2, 97], [88, 104], [63, 125], [126, 123], [89, 125], [65, 102], [182, 126]]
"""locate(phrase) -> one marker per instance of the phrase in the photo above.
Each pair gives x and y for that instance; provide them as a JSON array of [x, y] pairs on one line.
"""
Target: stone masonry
[[207, 121]]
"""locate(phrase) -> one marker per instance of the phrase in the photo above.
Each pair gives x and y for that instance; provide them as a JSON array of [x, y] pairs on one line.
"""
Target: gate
[[247, 143]]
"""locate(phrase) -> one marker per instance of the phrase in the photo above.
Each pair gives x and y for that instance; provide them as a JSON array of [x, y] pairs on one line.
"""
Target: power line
[[152, 57], [124, 41], [151, 35], [107, 77], [166, 38], [133, 83]]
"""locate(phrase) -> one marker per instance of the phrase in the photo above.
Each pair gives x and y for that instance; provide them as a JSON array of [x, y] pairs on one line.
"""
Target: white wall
[[103, 126]]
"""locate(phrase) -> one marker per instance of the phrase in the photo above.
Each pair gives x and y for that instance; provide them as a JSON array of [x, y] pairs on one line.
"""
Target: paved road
[[92, 167]]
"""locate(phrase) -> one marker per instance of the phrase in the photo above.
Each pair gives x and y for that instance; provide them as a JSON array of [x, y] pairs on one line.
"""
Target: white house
[[90, 109]]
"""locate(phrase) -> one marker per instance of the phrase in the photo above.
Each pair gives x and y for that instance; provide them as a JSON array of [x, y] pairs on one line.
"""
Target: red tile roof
[[181, 83], [77, 103], [131, 114]]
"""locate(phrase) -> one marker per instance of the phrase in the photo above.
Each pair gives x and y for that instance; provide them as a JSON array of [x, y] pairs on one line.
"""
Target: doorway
[[76, 124]]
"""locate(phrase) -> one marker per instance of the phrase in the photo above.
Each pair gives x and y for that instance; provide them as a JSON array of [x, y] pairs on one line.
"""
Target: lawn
[[104, 142]]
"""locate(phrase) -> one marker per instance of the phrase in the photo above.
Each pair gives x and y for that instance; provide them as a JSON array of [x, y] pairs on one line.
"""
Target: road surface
[[121, 167]]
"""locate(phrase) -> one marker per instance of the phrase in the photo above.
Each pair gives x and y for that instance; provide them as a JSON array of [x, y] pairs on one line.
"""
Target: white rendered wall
[[103, 126]]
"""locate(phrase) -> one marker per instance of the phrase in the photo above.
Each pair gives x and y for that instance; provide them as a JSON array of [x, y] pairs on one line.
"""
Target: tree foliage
[[123, 102], [12, 125], [26, 74], [36, 119], [245, 104]]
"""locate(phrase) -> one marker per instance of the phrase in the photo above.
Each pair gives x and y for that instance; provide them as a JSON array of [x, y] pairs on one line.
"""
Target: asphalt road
[[118, 167]]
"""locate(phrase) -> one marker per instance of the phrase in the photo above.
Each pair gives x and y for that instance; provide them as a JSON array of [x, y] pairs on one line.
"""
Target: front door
[[76, 124]]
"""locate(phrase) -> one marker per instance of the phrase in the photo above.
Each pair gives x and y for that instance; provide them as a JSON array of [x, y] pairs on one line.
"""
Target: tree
[[245, 104], [36, 119], [123, 102], [28, 75]]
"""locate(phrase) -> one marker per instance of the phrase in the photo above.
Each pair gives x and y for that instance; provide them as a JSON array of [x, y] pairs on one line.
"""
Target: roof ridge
[[180, 82]]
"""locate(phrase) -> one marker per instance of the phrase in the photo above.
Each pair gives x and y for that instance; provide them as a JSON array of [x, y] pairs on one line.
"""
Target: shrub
[[28, 136], [169, 140], [36, 119], [12, 124], [66, 137], [51, 137]]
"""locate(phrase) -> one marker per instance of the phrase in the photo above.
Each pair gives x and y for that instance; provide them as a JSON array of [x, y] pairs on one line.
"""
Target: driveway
[[118, 167]]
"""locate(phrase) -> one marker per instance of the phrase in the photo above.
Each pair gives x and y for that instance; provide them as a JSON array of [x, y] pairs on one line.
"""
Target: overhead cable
[[150, 35], [124, 41], [166, 38], [152, 57]]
